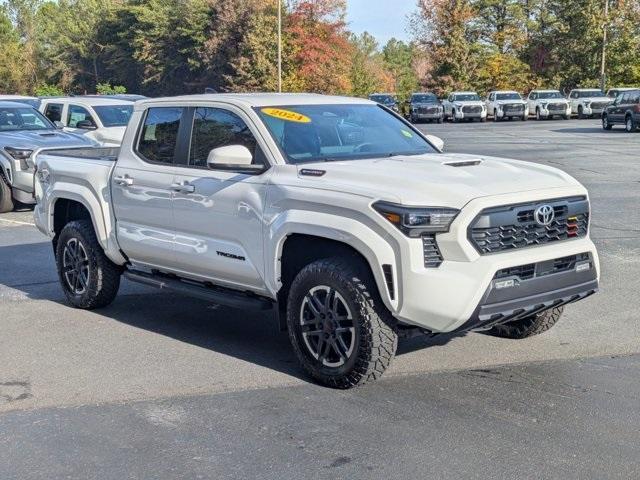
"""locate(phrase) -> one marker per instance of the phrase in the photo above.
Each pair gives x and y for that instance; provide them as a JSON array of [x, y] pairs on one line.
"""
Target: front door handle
[[184, 187], [125, 181]]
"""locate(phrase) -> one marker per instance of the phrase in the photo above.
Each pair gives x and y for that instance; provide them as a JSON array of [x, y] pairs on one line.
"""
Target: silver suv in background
[[23, 132], [588, 102], [548, 104]]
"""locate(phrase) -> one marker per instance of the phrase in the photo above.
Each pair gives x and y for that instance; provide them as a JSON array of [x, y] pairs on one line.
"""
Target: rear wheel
[[88, 278], [538, 116], [529, 326], [340, 331], [6, 201], [630, 124], [605, 123]]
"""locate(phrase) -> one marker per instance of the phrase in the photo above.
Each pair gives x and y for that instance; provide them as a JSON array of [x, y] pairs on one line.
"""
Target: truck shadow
[[28, 271]]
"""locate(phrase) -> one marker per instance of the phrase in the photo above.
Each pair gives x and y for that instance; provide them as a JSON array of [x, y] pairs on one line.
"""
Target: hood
[[479, 103], [510, 102], [42, 139], [432, 180], [596, 99]]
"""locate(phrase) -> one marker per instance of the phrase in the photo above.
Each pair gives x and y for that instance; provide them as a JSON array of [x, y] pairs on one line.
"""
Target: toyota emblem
[[544, 214]]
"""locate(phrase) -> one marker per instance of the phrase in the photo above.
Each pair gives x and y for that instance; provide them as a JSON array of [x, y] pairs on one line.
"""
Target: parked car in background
[[32, 101], [23, 132], [342, 217], [460, 106], [132, 97], [625, 110], [506, 104], [425, 106], [614, 92], [548, 104], [387, 99], [588, 102], [100, 118]]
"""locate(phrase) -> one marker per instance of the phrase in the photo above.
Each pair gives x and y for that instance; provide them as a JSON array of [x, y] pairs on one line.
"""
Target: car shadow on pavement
[[589, 130]]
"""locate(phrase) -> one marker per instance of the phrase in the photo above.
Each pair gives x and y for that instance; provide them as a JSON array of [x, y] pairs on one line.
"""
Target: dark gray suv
[[625, 110]]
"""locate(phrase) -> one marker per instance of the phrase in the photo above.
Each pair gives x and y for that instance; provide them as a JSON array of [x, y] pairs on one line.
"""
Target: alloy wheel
[[75, 267], [328, 327]]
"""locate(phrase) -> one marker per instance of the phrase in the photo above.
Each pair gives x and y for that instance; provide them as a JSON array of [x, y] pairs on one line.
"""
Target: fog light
[[581, 267], [504, 284]]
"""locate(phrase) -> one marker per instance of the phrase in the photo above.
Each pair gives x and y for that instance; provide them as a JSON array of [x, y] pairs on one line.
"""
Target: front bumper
[[461, 115], [546, 112], [426, 116], [445, 298], [592, 111], [501, 113]]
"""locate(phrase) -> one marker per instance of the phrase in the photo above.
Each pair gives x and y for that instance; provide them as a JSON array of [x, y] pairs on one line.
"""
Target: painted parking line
[[17, 222]]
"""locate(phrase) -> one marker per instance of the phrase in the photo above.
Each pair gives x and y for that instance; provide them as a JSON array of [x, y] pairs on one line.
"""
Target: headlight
[[414, 221], [21, 154], [459, 105], [544, 106], [586, 104]]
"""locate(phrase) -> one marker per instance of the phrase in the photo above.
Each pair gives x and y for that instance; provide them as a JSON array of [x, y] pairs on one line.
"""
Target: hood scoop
[[52, 134], [464, 163]]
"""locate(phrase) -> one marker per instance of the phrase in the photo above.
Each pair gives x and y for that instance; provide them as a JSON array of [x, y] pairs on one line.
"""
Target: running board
[[217, 295]]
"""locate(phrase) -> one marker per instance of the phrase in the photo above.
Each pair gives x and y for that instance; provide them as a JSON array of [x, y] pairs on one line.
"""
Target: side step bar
[[217, 295]]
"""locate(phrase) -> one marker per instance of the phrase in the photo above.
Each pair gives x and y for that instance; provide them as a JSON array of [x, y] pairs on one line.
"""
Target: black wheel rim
[[75, 267], [327, 325]]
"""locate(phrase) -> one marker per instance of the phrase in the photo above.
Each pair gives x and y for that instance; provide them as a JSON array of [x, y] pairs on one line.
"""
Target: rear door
[[141, 188], [219, 213]]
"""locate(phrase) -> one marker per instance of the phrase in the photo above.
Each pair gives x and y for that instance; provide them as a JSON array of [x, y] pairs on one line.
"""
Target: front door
[[219, 213], [141, 188]]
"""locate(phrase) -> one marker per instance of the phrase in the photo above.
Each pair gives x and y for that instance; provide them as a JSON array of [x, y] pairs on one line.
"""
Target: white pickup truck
[[334, 212]]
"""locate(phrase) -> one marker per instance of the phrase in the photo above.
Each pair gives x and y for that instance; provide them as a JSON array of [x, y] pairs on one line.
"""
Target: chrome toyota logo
[[544, 214]]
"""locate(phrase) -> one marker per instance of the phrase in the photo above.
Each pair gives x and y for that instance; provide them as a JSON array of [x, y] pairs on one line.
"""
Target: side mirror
[[233, 157], [436, 142], [86, 125], [59, 125]]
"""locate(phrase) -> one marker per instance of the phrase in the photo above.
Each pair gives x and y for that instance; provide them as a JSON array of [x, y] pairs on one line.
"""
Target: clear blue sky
[[381, 18]]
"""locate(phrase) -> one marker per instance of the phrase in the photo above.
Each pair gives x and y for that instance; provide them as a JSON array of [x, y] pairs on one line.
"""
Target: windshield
[[23, 118], [508, 96], [426, 98], [544, 95], [384, 99], [114, 115], [591, 93], [466, 97], [311, 133]]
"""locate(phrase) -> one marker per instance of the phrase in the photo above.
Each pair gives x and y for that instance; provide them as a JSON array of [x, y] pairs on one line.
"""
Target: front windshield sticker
[[407, 134], [287, 115]]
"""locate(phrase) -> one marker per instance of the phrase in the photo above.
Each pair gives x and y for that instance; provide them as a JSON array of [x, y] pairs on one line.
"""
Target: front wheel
[[630, 124], [88, 278], [6, 201], [529, 326], [580, 112], [525, 117], [340, 331], [605, 123]]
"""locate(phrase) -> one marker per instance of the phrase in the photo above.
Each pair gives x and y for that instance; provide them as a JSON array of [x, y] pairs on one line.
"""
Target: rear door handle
[[125, 181], [184, 187]]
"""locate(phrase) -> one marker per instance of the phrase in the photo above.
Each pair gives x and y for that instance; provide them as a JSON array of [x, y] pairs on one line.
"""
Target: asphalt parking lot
[[161, 386]]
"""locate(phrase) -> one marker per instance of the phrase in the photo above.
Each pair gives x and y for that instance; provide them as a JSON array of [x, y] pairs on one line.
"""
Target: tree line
[[165, 47]]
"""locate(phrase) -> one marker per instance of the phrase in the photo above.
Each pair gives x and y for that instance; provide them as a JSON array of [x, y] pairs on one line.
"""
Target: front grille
[[513, 226], [432, 255], [428, 110], [471, 109], [599, 105], [541, 269], [514, 108], [557, 107]]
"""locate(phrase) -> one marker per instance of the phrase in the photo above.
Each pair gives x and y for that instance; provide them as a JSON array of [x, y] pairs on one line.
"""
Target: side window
[[574, 95], [216, 127], [624, 98], [77, 114], [635, 98], [53, 111], [159, 135], [533, 96]]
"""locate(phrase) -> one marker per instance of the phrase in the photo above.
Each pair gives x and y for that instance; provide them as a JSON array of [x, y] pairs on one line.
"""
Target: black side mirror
[[86, 125]]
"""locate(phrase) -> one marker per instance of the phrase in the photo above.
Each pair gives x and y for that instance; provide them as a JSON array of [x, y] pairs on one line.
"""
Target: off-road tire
[[6, 200], [103, 277], [376, 338], [527, 327], [630, 124]]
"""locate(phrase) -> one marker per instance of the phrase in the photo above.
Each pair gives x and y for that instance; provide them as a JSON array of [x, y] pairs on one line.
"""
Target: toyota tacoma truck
[[506, 105], [335, 213], [459, 106]]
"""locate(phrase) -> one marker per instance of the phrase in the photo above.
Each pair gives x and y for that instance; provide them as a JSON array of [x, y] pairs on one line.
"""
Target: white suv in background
[[588, 102], [547, 104], [506, 104], [102, 119]]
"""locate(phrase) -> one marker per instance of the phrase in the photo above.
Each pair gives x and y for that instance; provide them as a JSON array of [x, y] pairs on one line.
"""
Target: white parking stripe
[[16, 222]]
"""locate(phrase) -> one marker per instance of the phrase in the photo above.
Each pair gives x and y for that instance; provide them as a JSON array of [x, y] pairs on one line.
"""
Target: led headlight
[[414, 221], [21, 154]]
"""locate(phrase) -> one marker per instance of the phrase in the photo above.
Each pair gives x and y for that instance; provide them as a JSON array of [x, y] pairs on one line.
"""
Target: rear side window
[[216, 127], [635, 98], [53, 112], [159, 135], [78, 114]]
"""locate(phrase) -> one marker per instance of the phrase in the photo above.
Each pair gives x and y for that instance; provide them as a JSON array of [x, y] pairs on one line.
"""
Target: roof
[[17, 97], [260, 99], [89, 101], [504, 91], [13, 104], [543, 90], [464, 93], [586, 89]]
